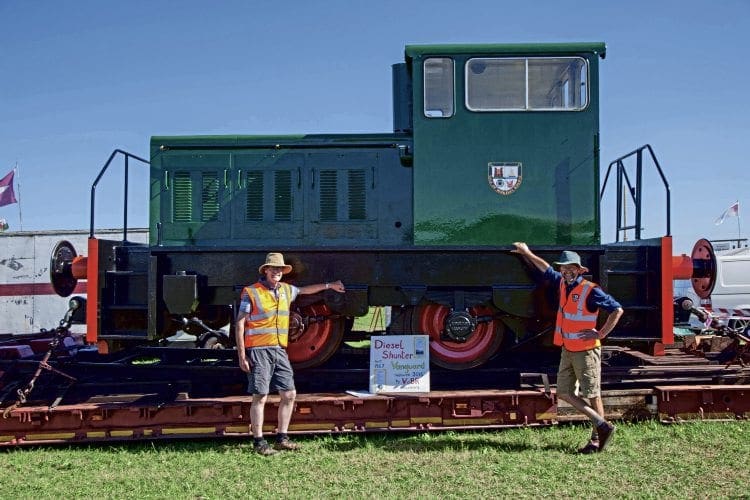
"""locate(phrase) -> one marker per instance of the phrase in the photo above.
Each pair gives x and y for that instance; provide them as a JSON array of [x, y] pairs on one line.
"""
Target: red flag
[[6, 190]]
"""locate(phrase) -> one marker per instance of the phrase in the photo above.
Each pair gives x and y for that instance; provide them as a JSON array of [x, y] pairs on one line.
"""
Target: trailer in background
[[28, 301]]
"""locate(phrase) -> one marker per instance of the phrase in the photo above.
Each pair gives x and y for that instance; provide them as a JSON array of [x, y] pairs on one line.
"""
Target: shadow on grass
[[345, 443], [388, 442], [417, 444]]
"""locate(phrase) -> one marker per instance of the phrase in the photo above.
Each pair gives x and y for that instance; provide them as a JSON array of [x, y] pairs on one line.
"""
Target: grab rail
[[125, 207], [635, 192]]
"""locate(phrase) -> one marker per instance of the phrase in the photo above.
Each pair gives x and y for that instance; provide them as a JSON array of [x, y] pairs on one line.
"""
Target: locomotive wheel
[[319, 340], [212, 341], [480, 346]]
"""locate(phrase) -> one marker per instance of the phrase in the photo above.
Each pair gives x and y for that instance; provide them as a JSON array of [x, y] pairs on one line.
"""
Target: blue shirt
[[596, 299]]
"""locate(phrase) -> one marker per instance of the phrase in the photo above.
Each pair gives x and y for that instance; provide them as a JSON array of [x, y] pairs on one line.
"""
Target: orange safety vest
[[267, 325], [573, 316]]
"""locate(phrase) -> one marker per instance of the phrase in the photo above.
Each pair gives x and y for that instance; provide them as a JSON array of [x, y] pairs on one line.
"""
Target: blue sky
[[79, 79]]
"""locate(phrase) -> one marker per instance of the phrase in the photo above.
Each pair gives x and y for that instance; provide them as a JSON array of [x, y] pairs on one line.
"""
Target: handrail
[[125, 207], [637, 191]]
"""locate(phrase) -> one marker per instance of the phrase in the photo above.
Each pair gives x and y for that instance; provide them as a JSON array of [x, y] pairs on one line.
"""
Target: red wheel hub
[[479, 346], [321, 338]]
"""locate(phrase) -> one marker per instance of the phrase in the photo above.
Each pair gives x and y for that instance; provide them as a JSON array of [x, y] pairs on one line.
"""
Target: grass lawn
[[695, 459]]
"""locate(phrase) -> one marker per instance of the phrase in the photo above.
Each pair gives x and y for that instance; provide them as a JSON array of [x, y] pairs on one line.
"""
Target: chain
[[59, 333]]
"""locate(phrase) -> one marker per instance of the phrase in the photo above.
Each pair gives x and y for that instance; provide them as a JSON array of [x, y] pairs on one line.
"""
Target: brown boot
[[263, 448], [286, 444], [605, 431], [591, 447]]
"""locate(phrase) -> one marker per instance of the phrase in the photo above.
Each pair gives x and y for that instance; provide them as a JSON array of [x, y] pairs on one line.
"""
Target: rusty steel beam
[[131, 418], [314, 413], [712, 402]]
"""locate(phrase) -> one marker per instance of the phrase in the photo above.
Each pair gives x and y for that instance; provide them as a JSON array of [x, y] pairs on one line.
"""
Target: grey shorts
[[585, 367], [270, 370]]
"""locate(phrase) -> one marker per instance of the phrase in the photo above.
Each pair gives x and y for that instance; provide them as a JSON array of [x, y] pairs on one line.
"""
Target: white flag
[[732, 211]]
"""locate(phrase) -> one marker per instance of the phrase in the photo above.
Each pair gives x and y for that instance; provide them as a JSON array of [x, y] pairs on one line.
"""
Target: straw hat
[[276, 260], [570, 258]]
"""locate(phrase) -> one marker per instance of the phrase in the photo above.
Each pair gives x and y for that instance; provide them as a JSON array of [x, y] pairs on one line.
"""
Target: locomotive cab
[[506, 136]]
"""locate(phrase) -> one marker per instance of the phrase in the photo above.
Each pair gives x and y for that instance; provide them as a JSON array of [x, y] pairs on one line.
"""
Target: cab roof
[[506, 49]]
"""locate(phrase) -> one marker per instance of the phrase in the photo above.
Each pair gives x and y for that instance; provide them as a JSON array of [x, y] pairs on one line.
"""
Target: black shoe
[[591, 447], [263, 448], [605, 431]]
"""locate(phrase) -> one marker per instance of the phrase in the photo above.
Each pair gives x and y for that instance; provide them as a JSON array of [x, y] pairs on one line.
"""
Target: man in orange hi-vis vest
[[576, 333], [262, 334]]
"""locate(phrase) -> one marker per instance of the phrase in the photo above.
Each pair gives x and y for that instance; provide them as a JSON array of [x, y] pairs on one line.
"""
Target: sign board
[[399, 363]]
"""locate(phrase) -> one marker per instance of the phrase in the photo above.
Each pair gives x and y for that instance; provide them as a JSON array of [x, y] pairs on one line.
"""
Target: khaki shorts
[[584, 367]]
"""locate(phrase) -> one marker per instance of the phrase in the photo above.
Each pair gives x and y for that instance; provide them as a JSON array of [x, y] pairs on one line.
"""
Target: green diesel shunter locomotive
[[491, 144]]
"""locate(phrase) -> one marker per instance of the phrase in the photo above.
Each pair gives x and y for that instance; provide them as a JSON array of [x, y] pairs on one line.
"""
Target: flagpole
[[18, 183], [739, 233]]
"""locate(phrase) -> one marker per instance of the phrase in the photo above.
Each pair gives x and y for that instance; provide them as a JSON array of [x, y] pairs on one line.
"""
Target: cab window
[[438, 87], [526, 84]]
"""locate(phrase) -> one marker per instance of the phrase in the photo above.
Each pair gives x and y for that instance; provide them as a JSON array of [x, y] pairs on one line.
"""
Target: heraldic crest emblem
[[504, 177]]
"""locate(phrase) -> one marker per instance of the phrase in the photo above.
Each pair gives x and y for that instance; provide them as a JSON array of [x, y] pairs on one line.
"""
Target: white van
[[730, 297]]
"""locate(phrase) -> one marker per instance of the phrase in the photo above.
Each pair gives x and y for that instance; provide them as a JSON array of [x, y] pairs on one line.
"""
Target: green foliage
[[651, 460], [373, 321]]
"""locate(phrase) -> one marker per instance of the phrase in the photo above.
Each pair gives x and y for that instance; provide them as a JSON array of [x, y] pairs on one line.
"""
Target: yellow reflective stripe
[[257, 305], [572, 336], [268, 314], [579, 317], [584, 296], [574, 322], [265, 331], [266, 340]]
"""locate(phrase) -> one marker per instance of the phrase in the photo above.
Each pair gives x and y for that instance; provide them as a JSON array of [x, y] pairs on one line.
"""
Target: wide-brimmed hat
[[570, 258], [276, 260]]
